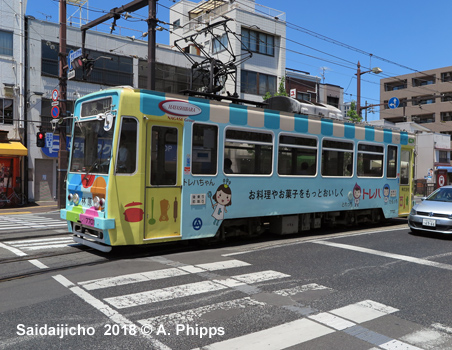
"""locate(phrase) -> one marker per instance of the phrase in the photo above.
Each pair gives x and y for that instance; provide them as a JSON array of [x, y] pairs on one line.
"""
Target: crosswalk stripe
[[50, 246], [163, 294], [361, 312], [160, 274], [132, 278], [190, 289], [41, 240], [275, 338], [191, 315]]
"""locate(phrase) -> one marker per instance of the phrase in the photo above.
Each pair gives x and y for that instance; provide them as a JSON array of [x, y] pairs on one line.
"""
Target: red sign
[[441, 177], [55, 95]]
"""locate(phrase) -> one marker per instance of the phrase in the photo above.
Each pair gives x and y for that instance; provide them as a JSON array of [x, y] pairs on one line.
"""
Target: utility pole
[[62, 152]]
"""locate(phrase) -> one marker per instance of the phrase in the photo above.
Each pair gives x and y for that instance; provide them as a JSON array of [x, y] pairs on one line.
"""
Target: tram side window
[[127, 152], [337, 158], [250, 152], [204, 149], [391, 160], [297, 155], [370, 160], [164, 156], [404, 167]]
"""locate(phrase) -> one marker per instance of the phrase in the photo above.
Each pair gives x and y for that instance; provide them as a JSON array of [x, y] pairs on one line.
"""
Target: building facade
[[425, 98], [252, 28]]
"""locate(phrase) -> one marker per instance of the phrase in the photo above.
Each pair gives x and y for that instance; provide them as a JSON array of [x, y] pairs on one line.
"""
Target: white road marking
[[113, 315], [387, 255], [300, 289], [49, 246], [357, 313], [38, 264], [132, 278], [163, 294], [398, 345], [12, 249], [279, 337], [429, 339], [190, 289], [191, 316], [332, 321], [41, 240], [160, 274]]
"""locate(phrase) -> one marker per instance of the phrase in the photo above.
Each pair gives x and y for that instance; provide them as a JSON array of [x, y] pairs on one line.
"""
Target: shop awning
[[448, 168], [12, 148]]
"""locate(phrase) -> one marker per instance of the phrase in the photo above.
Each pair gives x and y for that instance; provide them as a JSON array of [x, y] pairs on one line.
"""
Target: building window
[[6, 43], [446, 97], [306, 96], [446, 116], [118, 70], [443, 157], [257, 83], [168, 78], [176, 24], [446, 76], [424, 100], [396, 85], [423, 118], [204, 149], [220, 44], [6, 111], [337, 158], [332, 101], [425, 80], [250, 152], [297, 155], [258, 42], [370, 160]]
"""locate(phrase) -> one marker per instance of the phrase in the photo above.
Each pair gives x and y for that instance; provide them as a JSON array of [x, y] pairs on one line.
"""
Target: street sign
[[49, 139], [55, 111], [393, 103], [71, 74], [55, 95], [293, 93]]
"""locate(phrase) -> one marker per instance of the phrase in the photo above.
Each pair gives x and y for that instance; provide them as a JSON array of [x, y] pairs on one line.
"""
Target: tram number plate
[[87, 220], [429, 222]]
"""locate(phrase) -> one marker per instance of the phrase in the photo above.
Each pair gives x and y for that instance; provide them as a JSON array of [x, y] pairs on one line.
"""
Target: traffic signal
[[40, 139], [88, 65], [77, 63]]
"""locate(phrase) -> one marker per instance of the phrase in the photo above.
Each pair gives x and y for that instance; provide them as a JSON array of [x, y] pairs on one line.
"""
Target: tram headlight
[[75, 198], [98, 202], [69, 197]]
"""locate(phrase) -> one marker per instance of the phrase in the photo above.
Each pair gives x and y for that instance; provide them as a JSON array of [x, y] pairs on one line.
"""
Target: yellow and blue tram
[[148, 167]]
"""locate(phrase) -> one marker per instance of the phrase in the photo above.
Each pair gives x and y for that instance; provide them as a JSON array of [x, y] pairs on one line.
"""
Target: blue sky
[[329, 37]]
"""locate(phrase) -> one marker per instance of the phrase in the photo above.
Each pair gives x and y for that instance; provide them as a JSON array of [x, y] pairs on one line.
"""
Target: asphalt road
[[376, 288]]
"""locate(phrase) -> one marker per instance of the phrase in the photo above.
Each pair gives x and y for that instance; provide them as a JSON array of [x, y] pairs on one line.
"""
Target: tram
[[148, 167]]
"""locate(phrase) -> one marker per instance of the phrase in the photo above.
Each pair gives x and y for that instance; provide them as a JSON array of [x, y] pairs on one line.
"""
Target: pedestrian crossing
[[302, 325], [41, 243], [29, 221]]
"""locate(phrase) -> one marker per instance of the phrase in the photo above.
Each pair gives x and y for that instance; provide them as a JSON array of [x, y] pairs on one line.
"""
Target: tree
[[281, 90], [352, 114]]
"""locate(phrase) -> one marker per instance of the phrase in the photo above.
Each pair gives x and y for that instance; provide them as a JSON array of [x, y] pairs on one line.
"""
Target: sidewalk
[[31, 208]]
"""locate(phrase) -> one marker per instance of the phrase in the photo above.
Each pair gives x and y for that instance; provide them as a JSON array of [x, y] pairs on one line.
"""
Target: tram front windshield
[[91, 147]]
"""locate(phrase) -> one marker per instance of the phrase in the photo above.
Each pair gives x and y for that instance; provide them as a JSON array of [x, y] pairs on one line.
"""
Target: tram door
[[406, 181], [163, 181]]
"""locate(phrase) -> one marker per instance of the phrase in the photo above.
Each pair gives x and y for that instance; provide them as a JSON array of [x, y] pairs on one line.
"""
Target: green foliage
[[281, 90], [352, 114]]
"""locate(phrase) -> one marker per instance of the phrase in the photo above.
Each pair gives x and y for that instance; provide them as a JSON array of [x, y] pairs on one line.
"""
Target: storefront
[[11, 153]]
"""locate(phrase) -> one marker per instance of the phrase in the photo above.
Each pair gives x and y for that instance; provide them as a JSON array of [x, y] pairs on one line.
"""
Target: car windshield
[[441, 195]]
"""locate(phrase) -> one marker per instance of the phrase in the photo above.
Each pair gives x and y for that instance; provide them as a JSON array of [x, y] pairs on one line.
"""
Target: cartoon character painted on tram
[[222, 197], [356, 194], [386, 191]]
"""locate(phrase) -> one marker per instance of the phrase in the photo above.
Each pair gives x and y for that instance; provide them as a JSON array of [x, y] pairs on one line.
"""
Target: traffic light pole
[[62, 152]]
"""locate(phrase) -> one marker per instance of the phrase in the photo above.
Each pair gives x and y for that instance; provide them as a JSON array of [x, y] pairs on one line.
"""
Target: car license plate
[[429, 222]]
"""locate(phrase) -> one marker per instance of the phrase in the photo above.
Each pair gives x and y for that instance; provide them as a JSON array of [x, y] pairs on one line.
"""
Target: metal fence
[[423, 188]]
